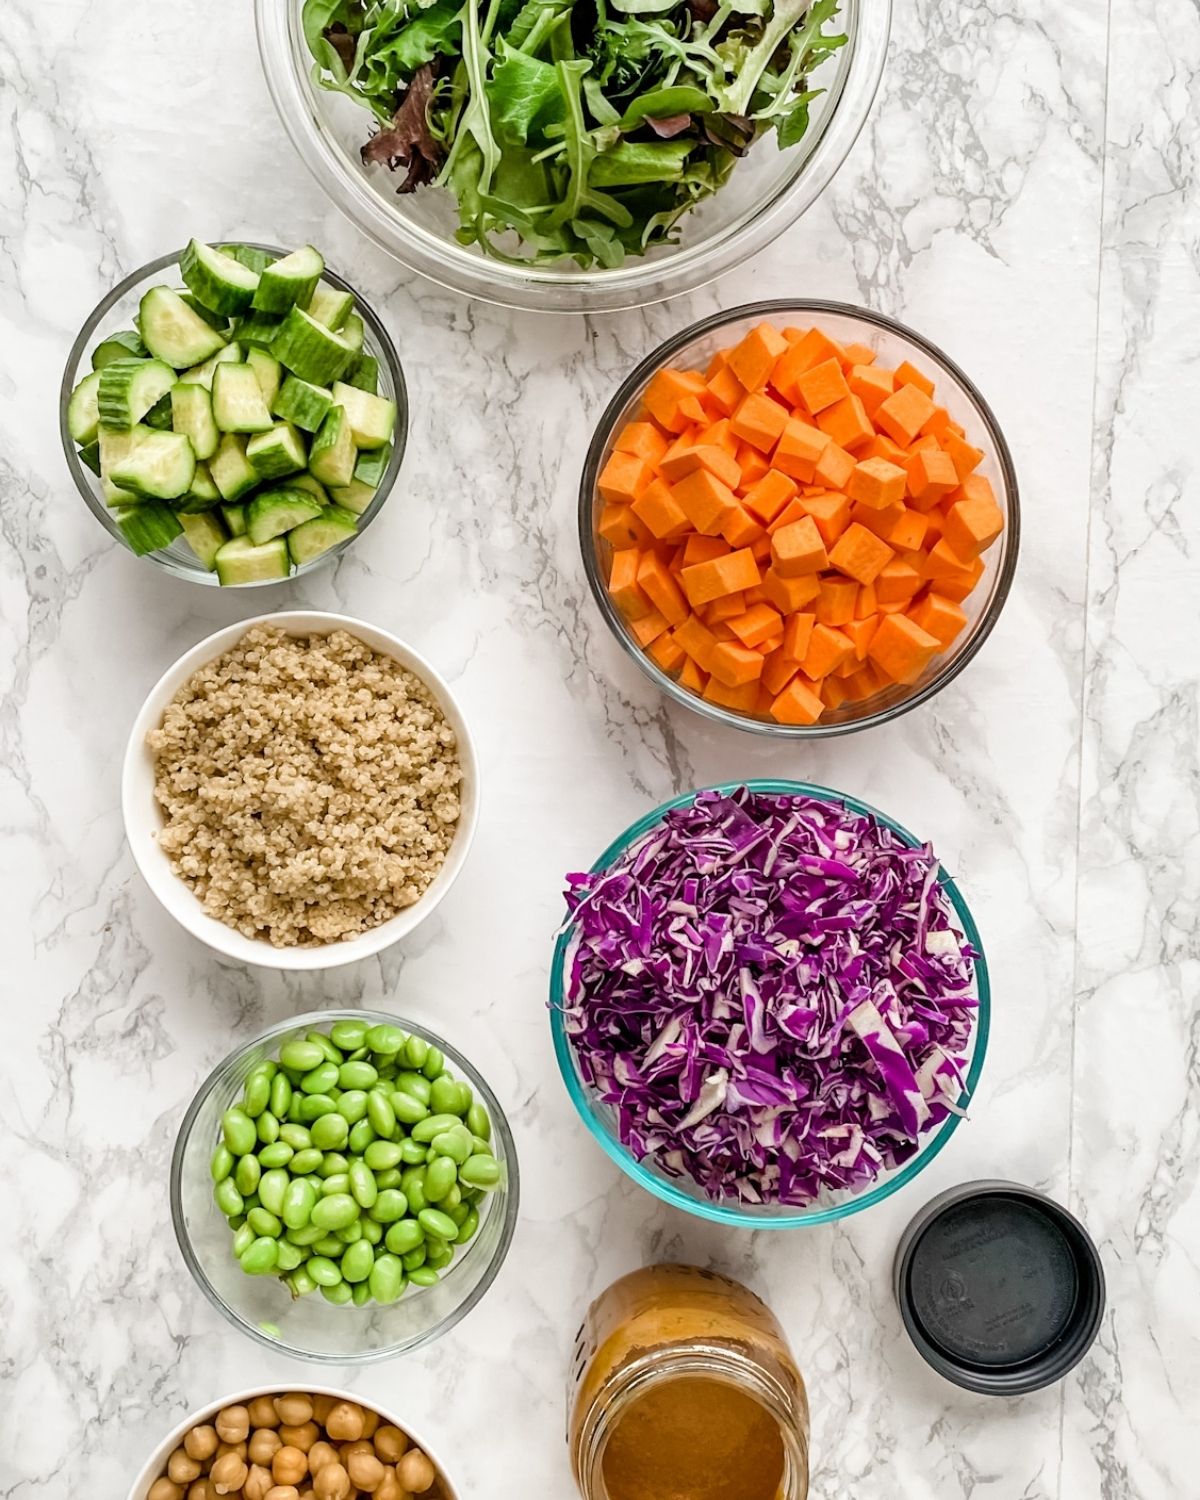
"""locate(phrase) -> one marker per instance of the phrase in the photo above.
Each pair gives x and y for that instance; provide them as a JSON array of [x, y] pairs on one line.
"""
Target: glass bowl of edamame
[[344, 1187]]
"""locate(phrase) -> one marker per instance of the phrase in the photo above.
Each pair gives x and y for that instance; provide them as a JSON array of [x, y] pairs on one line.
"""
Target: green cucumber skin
[[365, 375], [277, 452], [332, 456], [220, 282], [234, 517], [123, 345], [311, 539], [372, 465], [309, 349], [160, 414], [206, 535], [239, 561], [250, 256], [214, 320], [258, 330], [148, 527], [159, 466], [129, 388], [89, 457], [277, 511], [304, 404], [290, 282], [173, 332]]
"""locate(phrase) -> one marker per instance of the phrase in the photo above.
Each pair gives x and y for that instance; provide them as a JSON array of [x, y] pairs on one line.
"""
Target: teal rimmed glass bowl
[[600, 1119]]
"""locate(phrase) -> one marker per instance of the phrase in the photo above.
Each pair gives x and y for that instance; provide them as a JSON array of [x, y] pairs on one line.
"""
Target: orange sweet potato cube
[[620, 527], [798, 549], [797, 704], [753, 359], [692, 676], [659, 511], [742, 699], [939, 617], [667, 653], [648, 628], [836, 601], [699, 548], [901, 649], [778, 670], [897, 581], [735, 664], [904, 413], [906, 531], [740, 528], [789, 594], [877, 483], [725, 389], [871, 385], [834, 467], [830, 513], [727, 607], [797, 634], [623, 586], [769, 495], [846, 423], [931, 474], [704, 582], [860, 554], [668, 392], [658, 584], [798, 449], [623, 477], [704, 499], [907, 374], [965, 458], [759, 421], [695, 638], [822, 385], [645, 440], [756, 624], [972, 526], [827, 648]]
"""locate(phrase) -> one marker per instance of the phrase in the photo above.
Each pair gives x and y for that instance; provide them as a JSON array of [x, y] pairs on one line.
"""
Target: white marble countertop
[[1041, 225]]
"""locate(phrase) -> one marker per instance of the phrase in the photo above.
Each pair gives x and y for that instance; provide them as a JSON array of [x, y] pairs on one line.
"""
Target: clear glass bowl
[[309, 1327], [117, 311], [768, 190], [894, 343], [600, 1118]]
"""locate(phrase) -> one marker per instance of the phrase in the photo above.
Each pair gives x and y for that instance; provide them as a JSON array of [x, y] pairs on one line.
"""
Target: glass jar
[[684, 1388]]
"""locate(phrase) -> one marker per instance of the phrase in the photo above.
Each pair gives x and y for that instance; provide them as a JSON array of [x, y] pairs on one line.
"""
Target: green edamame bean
[[339, 1295], [387, 1279], [313, 1106], [321, 1079], [238, 1130], [381, 1114], [413, 1153], [351, 1233], [309, 1236], [281, 1094], [446, 1098], [348, 1035], [467, 1228], [479, 1122], [372, 1232], [242, 1240], [328, 1051], [335, 1212], [330, 1132], [380, 1155], [458, 1213], [357, 1262], [266, 1128], [416, 1085], [293, 1113], [272, 1186], [301, 1283], [389, 1205], [333, 1163], [412, 1185], [434, 1065], [361, 1135], [300, 1057], [228, 1199], [259, 1258], [434, 1125], [264, 1223], [385, 1040], [352, 1106], [436, 1224], [306, 1161], [338, 1183], [251, 1201], [363, 1187], [439, 1256], [361, 1294], [407, 1109], [222, 1163], [416, 1050], [456, 1144], [357, 1075], [296, 1136], [413, 1258], [299, 1200], [404, 1236], [256, 1095], [277, 1155], [236, 1221], [247, 1173], [440, 1176], [424, 1276], [480, 1171], [290, 1256], [387, 1179], [323, 1271]]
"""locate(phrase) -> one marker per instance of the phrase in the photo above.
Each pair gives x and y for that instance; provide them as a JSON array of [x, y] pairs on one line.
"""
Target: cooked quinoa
[[309, 787]]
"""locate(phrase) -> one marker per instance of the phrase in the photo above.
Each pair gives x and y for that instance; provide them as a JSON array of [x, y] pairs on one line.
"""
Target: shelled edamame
[[355, 1164]]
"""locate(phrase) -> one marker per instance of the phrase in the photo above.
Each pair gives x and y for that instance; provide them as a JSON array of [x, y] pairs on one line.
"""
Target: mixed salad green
[[585, 128]]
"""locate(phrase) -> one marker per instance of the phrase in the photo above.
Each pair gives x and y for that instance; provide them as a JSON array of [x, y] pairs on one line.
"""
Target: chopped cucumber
[[83, 409], [373, 465], [329, 306], [276, 511], [310, 484], [203, 495], [89, 456], [372, 418], [332, 455], [159, 415], [116, 497], [365, 374], [160, 465], [240, 561], [232, 472], [149, 527], [115, 446], [214, 319], [353, 332], [311, 350], [249, 255], [278, 452], [330, 529], [258, 330], [174, 332], [206, 535], [237, 400], [129, 388], [304, 404], [192, 412], [219, 281], [269, 373], [203, 374], [289, 281], [235, 518], [123, 345], [355, 496]]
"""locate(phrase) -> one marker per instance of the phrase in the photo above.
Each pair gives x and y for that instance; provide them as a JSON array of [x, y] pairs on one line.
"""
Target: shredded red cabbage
[[770, 992]]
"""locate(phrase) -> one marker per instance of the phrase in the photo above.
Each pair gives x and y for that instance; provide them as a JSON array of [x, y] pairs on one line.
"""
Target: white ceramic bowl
[[157, 1461], [143, 819]]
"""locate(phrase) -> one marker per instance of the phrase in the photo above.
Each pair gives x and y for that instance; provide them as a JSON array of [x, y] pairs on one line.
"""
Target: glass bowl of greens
[[566, 156]]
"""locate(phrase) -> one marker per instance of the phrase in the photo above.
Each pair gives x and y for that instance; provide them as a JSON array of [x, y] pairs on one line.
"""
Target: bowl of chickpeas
[[284, 1444]]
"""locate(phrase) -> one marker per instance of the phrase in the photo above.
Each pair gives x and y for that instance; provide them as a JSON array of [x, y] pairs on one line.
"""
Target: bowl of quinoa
[[300, 790]]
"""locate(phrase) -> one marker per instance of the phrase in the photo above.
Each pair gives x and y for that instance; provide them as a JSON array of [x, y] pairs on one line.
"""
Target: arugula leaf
[[793, 126], [735, 98]]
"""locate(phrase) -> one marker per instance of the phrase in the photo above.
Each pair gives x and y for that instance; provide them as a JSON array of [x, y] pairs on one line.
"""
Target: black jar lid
[[1000, 1288]]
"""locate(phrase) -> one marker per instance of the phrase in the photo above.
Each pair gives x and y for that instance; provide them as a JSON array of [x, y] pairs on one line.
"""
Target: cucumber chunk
[[220, 282], [160, 466], [355, 496], [268, 371], [115, 446], [203, 494], [332, 455], [214, 320], [232, 472], [289, 281], [240, 561], [249, 255], [329, 306], [312, 538], [276, 511], [305, 405], [206, 535], [372, 418], [89, 456], [174, 332], [123, 345], [149, 527], [258, 330], [114, 496], [83, 409], [129, 388], [234, 517], [353, 332], [192, 413], [372, 465], [237, 400], [276, 453], [202, 374], [159, 415], [310, 485], [309, 349], [365, 374]]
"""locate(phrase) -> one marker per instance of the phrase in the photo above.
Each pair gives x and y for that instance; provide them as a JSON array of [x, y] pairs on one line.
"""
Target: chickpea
[[201, 1489], [263, 1413], [319, 1455], [181, 1468], [264, 1444], [289, 1466], [390, 1443], [233, 1424], [348, 1450], [302, 1436], [239, 1448], [332, 1483], [164, 1489], [322, 1406], [366, 1471], [228, 1473], [257, 1483], [294, 1409], [371, 1420], [415, 1472], [284, 1492], [201, 1443], [390, 1487], [345, 1421]]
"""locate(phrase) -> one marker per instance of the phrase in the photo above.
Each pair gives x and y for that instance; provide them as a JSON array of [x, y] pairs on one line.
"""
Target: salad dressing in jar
[[684, 1388]]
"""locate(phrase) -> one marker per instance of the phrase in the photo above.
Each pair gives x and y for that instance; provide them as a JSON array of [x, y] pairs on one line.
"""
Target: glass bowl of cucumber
[[237, 414]]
